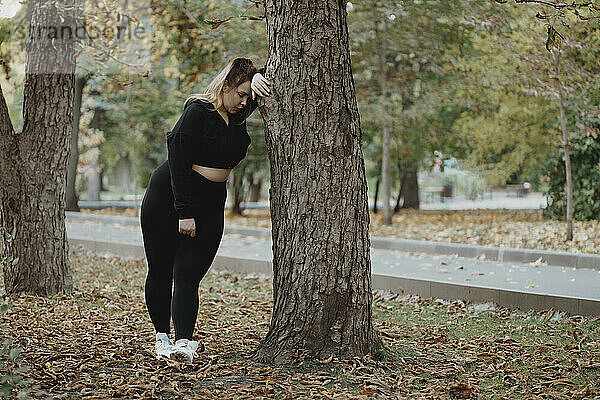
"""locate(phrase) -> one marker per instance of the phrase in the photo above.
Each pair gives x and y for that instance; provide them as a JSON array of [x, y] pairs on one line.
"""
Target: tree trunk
[[319, 204], [385, 162], [123, 174], [33, 162], [255, 189], [94, 179], [71, 194], [410, 189], [565, 134], [397, 207], [376, 195], [238, 191]]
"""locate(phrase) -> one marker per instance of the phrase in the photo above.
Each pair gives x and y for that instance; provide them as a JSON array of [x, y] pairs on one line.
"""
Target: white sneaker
[[184, 351], [164, 346]]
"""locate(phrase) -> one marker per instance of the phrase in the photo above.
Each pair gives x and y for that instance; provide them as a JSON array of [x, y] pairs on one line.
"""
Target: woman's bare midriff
[[212, 174]]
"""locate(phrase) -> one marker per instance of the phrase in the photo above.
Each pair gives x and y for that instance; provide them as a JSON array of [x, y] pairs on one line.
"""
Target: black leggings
[[174, 257]]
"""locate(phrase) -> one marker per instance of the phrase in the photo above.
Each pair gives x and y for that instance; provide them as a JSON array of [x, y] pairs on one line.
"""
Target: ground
[[98, 343], [500, 228]]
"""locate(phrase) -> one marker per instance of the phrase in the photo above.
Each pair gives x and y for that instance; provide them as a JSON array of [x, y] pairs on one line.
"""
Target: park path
[[490, 201], [550, 280]]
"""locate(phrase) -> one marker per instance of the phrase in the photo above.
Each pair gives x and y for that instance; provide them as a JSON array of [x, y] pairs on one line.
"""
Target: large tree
[[33, 162], [318, 194]]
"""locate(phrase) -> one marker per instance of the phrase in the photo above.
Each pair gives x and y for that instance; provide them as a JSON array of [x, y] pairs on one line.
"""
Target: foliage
[[584, 150], [509, 138], [12, 382], [5, 240], [510, 90], [421, 44]]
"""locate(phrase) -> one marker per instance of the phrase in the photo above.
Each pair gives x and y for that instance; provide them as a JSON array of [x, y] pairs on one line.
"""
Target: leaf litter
[[98, 343]]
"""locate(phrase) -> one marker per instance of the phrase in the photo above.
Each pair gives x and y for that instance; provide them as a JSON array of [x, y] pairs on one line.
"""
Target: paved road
[[546, 280]]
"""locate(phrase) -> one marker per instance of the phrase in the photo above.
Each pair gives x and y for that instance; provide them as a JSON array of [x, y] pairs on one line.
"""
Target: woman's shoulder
[[199, 104]]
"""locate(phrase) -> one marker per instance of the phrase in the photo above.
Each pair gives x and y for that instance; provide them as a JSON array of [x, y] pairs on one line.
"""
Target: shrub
[[584, 151]]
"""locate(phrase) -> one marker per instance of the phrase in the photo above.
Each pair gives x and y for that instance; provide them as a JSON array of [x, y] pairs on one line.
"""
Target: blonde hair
[[236, 72]]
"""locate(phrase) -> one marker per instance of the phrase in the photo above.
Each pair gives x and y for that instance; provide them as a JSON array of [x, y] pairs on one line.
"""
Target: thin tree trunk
[[238, 194], [255, 190], [402, 173], [375, 209], [33, 162], [71, 193], [565, 134], [410, 189], [94, 180], [319, 204], [385, 162], [397, 207], [123, 174]]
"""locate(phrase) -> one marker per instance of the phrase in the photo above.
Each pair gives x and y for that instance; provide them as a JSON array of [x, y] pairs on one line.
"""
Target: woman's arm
[[180, 142], [257, 79]]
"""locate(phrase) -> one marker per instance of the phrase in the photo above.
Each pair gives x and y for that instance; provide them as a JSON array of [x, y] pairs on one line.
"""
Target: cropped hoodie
[[202, 137]]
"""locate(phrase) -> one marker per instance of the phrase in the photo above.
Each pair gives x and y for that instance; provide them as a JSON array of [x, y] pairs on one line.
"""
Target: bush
[[584, 151]]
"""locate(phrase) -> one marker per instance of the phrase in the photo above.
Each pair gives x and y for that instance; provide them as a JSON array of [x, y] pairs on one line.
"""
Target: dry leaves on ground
[[98, 344]]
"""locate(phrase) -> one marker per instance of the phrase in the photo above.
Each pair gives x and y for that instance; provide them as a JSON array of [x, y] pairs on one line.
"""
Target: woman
[[182, 210]]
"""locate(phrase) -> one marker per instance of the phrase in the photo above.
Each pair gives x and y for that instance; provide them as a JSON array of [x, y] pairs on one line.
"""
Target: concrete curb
[[424, 288], [573, 260]]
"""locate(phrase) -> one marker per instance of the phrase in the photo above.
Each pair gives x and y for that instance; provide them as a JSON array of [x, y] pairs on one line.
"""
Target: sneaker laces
[[190, 345]]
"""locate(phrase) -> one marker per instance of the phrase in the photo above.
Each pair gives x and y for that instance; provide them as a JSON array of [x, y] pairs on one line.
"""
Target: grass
[[98, 342]]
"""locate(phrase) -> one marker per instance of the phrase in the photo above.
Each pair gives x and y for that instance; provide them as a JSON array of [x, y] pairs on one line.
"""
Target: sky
[[8, 8]]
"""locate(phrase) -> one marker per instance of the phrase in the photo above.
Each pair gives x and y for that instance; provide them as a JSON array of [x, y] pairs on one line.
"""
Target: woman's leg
[[159, 230], [193, 259]]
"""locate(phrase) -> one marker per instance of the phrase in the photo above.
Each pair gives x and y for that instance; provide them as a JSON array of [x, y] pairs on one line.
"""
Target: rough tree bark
[[318, 193], [33, 162]]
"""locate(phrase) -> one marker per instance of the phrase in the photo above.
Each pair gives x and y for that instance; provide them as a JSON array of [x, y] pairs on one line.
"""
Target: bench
[[522, 189], [431, 192]]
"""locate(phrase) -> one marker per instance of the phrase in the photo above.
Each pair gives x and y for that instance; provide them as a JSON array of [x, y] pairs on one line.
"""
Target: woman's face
[[235, 99]]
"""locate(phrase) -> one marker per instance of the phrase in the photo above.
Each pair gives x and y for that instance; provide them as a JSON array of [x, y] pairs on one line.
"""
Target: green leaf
[[551, 40], [15, 261], [14, 353], [4, 307], [5, 390]]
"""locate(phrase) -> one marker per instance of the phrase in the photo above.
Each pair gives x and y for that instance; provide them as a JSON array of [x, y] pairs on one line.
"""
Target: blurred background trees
[[470, 81]]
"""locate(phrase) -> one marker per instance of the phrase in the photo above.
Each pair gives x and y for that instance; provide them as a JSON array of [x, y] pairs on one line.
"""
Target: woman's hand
[[187, 226], [260, 86]]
